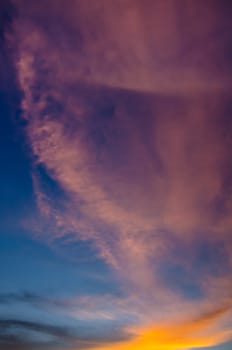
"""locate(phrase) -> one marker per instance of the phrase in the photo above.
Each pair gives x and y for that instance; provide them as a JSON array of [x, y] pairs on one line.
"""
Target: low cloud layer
[[128, 109]]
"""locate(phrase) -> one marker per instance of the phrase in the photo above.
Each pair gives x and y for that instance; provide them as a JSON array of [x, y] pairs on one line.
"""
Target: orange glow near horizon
[[179, 337]]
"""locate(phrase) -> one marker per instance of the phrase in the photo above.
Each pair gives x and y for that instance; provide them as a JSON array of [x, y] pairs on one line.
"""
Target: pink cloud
[[155, 163]]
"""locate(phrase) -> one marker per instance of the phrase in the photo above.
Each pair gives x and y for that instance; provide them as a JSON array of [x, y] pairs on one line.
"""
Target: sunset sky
[[116, 174]]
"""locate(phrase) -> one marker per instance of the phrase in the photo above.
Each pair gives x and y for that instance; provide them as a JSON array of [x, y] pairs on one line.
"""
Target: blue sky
[[115, 153]]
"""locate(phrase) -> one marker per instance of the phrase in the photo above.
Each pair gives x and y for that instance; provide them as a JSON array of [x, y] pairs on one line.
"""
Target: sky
[[116, 175]]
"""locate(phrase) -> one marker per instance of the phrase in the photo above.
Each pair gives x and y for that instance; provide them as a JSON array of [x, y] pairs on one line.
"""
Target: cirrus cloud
[[129, 117]]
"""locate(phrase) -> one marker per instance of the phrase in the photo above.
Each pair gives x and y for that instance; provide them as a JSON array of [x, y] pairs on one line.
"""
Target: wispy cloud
[[129, 117], [22, 334], [74, 326], [184, 335]]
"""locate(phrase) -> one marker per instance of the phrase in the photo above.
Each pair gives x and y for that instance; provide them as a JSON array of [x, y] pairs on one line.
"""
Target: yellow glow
[[159, 339], [180, 336]]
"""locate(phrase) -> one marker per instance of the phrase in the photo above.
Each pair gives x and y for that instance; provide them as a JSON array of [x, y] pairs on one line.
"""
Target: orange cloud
[[176, 336]]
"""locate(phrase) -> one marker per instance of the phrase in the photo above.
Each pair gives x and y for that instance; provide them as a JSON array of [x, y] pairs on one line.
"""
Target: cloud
[[128, 117], [19, 297], [25, 334], [138, 52], [174, 332], [21, 334], [189, 334]]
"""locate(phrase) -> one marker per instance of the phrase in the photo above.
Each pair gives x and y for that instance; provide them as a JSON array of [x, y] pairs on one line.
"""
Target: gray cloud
[[20, 334]]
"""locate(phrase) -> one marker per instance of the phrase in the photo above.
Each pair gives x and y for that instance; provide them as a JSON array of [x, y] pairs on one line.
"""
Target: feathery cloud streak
[[128, 111]]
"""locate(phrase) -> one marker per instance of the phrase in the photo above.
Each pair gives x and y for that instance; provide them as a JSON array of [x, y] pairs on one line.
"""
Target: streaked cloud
[[189, 334], [126, 106]]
